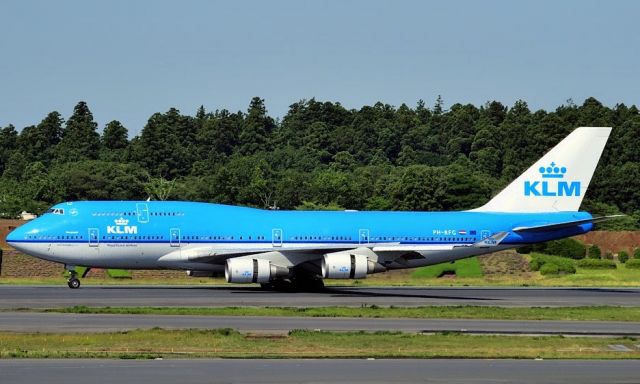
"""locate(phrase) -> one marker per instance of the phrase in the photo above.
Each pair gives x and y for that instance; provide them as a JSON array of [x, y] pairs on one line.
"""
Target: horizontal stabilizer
[[566, 224]]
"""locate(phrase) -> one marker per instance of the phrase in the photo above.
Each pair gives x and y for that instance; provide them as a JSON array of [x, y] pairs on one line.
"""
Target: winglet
[[491, 241]]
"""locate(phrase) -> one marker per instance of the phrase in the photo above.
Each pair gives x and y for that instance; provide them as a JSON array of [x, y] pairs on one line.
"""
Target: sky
[[129, 59]]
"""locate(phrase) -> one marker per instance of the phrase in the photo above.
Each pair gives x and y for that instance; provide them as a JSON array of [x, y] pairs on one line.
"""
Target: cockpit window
[[55, 211]]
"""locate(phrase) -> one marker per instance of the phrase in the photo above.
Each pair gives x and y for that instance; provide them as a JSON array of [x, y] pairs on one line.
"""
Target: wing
[[214, 255]]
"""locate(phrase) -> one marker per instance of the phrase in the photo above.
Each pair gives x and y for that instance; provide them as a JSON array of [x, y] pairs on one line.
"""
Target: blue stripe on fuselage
[[152, 222]]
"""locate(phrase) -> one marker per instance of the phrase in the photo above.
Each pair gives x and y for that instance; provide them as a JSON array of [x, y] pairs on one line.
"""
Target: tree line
[[320, 155]]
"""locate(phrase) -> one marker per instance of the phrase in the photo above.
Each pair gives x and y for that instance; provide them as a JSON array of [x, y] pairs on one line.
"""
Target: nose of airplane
[[13, 236], [16, 237]]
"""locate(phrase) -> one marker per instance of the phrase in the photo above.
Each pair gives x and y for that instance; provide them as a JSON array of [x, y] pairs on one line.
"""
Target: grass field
[[620, 277], [468, 272], [431, 312], [461, 268], [232, 344]]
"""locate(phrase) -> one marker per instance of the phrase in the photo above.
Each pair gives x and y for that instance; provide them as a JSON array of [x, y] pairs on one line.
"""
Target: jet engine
[[345, 265], [194, 273], [252, 271]]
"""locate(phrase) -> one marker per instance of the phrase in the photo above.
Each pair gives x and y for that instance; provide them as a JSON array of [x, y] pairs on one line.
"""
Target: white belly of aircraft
[[165, 256]]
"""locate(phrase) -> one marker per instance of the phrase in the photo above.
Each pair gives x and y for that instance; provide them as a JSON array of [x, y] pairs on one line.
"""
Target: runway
[[319, 371], [65, 322], [223, 296]]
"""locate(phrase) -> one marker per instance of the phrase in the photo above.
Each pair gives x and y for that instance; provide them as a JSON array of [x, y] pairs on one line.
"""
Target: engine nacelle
[[192, 273], [345, 265], [252, 271]]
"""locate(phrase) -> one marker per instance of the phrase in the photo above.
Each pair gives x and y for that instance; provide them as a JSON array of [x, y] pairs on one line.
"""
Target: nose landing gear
[[73, 282]]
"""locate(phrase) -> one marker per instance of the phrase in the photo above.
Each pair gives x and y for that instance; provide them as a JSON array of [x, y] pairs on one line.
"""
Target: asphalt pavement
[[66, 322], [223, 296], [319, 371]]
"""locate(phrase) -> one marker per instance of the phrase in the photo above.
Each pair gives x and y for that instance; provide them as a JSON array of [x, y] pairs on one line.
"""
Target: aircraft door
[[276, 237], [363, 236], [94, 237], [174, 237], [142, 212]]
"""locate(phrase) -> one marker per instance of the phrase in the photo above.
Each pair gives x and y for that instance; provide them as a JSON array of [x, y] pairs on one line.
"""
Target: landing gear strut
[[73, 282]]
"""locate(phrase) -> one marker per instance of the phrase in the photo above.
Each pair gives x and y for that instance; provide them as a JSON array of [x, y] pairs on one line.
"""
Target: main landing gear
[[307, 284], [73, 282]]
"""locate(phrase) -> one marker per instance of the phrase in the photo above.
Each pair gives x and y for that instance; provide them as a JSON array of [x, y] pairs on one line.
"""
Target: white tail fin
[[559, 180]]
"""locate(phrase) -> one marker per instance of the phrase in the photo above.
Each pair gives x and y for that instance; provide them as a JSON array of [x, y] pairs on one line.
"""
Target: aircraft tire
[[73, 283]]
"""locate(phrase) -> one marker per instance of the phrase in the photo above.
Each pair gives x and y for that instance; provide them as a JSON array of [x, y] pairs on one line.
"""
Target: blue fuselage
[[150, 229]]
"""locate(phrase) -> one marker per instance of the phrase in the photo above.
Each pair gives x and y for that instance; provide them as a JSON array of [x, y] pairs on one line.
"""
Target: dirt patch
[[16, 264], [503, 263], [613, 242], [446, 274], [7, 226]]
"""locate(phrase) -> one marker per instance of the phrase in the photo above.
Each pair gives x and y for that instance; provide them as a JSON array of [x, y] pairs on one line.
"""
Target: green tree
[[594, 252], [8, 144], [37, 185], [80, 140], [375, 157], [166, 145], [417, 188], [158, 188], [568, 247], [39, 142], [438, 108], [331, 187], [115, 136], [218, 136], [261, 185], [495, 112], [115, 142], [623, 256], [593, 114], [343, 161], [514, 138], [311, 206], [99, 180], [459, 129], [15, 167], [485, 149], [292, 188], [256, 128]]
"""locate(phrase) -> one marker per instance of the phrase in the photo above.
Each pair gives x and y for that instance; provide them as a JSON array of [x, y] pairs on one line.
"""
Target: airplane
[[298, 249]]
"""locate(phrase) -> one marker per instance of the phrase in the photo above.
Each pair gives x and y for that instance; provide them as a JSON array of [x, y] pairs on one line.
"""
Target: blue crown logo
[[552, 171]]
